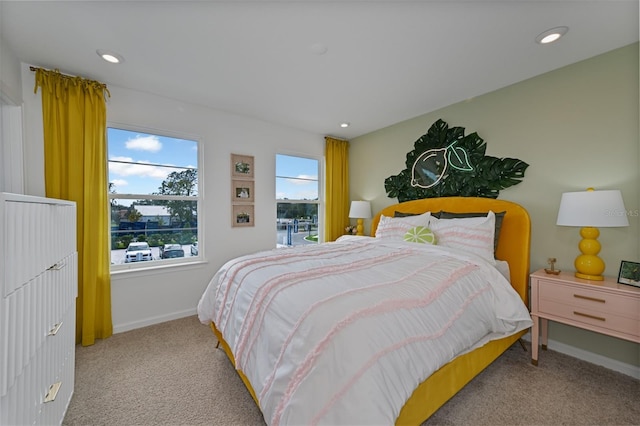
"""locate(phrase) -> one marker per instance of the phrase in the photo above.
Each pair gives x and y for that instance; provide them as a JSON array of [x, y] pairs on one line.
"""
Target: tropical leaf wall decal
[[445, 162]]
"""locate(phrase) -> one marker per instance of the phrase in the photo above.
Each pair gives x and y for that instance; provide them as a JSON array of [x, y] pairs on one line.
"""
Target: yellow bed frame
[[513, 246]]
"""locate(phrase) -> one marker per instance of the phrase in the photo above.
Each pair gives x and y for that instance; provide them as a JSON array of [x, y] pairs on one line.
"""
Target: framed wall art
[[242, 191], [242, 215], [242, 166]]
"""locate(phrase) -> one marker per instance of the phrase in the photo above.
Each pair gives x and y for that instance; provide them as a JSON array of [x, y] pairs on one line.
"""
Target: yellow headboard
[[515, 234]]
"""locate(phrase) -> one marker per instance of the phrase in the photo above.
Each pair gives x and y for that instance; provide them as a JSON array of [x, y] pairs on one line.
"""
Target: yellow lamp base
[[360, 227], [589, 277], [588, 265]]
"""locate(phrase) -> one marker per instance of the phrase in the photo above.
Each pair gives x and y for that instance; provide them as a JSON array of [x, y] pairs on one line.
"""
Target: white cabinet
[[38, 289]]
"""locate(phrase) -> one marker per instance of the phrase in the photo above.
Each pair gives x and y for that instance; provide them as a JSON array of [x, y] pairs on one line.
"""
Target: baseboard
[[612, 364], [120, 328]]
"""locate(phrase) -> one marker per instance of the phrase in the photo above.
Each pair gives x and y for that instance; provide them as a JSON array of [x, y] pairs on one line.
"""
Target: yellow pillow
[[420, 234]]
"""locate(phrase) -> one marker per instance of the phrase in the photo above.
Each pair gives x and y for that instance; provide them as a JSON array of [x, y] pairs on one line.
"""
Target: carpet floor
[[172, 374]]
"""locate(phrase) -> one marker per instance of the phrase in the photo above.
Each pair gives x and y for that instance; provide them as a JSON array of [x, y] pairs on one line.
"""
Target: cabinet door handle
[[53, 392], [55, 329], [57, 266], [589, 316], [593, 299]]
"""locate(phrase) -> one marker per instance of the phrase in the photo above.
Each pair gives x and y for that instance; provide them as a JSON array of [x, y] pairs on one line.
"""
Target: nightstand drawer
[[597, 318], [594, 300]]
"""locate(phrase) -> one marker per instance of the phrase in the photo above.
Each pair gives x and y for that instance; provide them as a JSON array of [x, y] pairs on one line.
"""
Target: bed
[[371, 343]]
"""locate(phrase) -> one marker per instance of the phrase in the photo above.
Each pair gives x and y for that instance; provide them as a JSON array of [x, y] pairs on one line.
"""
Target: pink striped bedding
[[343, 332]]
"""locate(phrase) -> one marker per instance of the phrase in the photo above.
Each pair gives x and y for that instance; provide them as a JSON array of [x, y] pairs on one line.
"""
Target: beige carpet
[[171, 374]]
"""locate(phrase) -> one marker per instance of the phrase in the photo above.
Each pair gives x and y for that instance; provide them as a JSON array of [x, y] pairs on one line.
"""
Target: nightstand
[[602, 306]]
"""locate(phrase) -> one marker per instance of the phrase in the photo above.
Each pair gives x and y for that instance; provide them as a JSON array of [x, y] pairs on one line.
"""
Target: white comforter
[[342, 333]]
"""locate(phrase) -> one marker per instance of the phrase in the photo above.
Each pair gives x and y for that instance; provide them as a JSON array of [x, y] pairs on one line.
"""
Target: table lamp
[[360, 210], [591, 209]]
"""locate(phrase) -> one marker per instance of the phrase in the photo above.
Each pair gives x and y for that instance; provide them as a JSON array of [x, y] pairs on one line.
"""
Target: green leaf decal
[[459, 159], [445, 162]]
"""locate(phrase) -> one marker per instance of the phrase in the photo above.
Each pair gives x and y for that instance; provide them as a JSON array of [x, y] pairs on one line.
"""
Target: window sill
[[135, 268]]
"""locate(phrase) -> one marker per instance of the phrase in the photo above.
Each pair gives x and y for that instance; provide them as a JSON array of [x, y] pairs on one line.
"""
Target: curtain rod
[[103, 85]]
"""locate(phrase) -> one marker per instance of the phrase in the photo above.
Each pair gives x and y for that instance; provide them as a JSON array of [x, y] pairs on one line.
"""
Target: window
[[153, 191], [297, 200]]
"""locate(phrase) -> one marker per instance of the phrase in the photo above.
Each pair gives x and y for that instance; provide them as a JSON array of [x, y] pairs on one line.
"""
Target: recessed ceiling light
[[343, 125], [109, 56], [551, 35]]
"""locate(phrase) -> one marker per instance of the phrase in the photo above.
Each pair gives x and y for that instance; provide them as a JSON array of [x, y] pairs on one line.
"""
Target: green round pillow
[[420, 234]]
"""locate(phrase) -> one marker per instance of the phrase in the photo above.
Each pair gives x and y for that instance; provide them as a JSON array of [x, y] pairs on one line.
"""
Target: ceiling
[[312, 65]]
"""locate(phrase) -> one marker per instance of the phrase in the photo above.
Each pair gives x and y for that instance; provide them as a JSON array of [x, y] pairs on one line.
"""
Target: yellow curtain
[[337, 188], [74, 115]]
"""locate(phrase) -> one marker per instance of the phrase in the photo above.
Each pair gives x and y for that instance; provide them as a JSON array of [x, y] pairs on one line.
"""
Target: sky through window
[[139, 162], [296, 178]]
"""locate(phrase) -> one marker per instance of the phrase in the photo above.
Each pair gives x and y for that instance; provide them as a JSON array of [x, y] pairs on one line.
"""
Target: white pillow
[[396, 227], [473, 234]]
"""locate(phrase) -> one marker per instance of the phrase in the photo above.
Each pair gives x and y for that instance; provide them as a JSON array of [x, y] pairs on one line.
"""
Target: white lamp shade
[[599, 209], [360, 210]]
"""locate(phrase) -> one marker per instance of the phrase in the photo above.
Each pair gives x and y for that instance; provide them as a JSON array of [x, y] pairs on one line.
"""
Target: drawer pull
[[593, 299], [53, 392], [56, 266], [55, 329], [589, 316]]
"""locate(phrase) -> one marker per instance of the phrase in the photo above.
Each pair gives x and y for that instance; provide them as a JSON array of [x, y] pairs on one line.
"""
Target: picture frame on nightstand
[[629, 273]]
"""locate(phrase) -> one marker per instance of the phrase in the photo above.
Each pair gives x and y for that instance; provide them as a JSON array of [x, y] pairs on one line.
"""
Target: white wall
[[142, 298], [576, 127], [11, 154], [10, 83]]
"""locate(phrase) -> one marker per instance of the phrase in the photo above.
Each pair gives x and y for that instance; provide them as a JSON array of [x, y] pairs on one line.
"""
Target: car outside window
[[137, 252]]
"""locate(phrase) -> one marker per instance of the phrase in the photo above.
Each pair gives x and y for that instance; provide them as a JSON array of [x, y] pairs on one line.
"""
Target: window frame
[[320, 180], [198, 199]]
